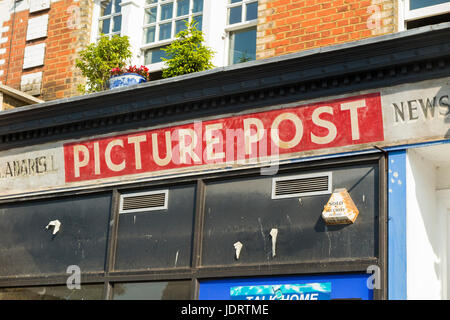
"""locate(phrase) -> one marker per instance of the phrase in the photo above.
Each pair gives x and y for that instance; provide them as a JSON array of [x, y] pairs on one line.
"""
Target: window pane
[[180, 25], [117, 7], [417, 4], [117, 23], [235, 1], [165, 31], [182, 7], [172, 290], [150, 15], [198, 6], [27, 247], [149, 35], [234, 15], [252, 11], [151, 1], [86, 292], [103, 26], [154, 55], [243, 46], [199, 20], [242, 210], [166, 11], [105, 8], [161, 238]]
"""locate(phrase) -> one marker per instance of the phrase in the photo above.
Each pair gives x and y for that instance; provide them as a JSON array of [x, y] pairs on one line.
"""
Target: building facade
[[313, 164], [40, 39]]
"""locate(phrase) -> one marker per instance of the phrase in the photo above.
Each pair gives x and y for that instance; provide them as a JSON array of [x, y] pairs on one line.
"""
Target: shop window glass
[[86, 292], [170, 290], [29, 248], [158, 238], [242, 210]]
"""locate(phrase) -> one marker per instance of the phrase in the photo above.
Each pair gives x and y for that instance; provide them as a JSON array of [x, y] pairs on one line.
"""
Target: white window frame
[[237, 26], [214, 28], [243, 24], [108, 16], [409, 15], [161, 43]]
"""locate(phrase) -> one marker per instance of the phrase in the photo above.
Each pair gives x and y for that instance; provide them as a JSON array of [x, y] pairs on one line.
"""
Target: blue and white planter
[[126, 79]]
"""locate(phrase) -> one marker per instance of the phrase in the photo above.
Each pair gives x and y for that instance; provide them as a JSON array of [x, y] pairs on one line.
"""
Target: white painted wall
[[423, 233], [443, 177]]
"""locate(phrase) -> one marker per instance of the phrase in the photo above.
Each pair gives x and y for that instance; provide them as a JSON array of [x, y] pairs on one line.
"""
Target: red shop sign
[[348, 121]]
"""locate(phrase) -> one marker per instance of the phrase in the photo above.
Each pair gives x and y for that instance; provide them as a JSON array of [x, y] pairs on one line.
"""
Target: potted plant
[[187, 54], [97, 60], [121, 77]]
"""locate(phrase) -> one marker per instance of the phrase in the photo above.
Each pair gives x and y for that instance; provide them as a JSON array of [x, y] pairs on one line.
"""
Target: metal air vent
[[144, 201], [301, 185]]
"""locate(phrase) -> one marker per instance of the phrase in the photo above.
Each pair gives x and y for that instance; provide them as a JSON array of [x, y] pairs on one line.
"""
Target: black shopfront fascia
[[411, 56], [130, 254]]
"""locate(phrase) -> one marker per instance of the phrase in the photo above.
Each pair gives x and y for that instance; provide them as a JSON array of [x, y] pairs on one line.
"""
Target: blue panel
[[397, 225], [344, 286]]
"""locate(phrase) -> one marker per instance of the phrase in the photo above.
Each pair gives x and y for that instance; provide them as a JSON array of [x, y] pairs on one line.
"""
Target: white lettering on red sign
[[337, 123]]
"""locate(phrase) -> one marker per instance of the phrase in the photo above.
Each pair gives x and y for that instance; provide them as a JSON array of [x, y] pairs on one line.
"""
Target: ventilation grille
[[301, 185], [144, 201]]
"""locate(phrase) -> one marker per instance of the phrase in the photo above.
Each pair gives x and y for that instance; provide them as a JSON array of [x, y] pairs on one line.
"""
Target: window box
[[126, 79]]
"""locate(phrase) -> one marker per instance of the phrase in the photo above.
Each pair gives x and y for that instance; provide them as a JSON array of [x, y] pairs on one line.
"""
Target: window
[[165, 290], [241, 20], [418, 13], [110, 21], [86, 292], [163, 20]]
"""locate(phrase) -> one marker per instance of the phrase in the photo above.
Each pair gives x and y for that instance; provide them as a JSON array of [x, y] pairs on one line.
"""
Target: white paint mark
[[134, 219], [392, 180], [329, 240], [364, 198], [274, 234], [41, 293], [300, 201], [238, 247], [56, 225], [176, 258], [399, 182], [390, 190], [395, 174], [289, 219]]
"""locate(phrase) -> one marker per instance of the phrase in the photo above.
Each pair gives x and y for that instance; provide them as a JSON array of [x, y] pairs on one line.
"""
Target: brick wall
[[286, 26], [69, 23], [13, 48], [68, 33]]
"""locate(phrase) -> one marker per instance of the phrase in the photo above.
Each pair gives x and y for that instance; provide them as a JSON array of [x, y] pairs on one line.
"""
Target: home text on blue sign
[[341, 286], [308, 291]]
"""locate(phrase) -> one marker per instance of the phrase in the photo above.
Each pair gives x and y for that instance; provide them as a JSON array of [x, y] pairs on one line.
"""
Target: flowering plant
[[142, 70]]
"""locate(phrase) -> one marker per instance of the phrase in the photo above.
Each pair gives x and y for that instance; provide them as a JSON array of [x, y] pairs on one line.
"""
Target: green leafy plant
[[97, 60], [187, 54]]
